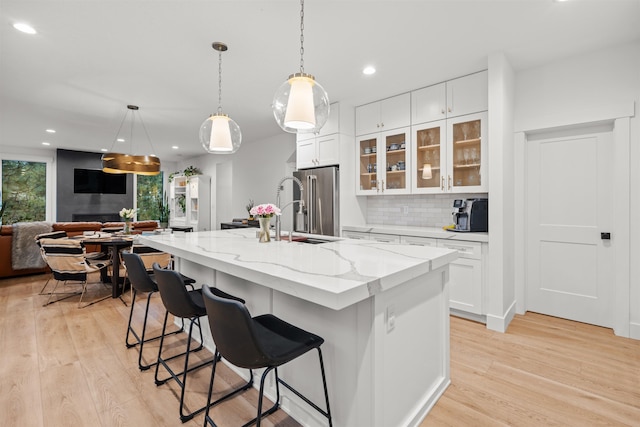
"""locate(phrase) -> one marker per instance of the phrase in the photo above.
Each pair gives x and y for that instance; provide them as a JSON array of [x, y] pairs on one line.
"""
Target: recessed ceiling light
[[104, 150], [25, 28], [51, 131], [120, 140], [368, 70], [175, 147], [46, 143]]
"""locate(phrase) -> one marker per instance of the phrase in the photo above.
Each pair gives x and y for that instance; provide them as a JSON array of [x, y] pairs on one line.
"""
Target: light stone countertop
[[406, 230], [336, 274]]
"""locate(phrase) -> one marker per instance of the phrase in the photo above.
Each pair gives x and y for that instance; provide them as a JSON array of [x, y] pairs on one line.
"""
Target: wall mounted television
[[90, 181]]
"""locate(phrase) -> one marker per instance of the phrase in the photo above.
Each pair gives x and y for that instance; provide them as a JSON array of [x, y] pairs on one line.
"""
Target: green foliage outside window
[[150, 197], [24, 191]]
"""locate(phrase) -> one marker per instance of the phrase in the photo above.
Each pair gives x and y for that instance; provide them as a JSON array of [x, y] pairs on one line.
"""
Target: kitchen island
[[381, 308]]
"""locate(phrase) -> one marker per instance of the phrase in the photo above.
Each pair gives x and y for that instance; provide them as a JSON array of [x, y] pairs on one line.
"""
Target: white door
[[570, 265]]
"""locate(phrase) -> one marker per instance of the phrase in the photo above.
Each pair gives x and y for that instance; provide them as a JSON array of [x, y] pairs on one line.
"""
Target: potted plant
[[248, 207], [163, 209], [191, 171]]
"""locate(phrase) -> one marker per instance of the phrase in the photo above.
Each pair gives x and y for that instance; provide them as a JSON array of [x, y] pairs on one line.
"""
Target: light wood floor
[[62, 366]]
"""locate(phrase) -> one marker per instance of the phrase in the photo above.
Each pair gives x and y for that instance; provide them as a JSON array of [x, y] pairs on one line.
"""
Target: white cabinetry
[[322, 149], [382, 160], [450, 155], [390, 113], [445, 150], [359, 235], [466, 282], [466, 285], [189, 201], [457, 97]]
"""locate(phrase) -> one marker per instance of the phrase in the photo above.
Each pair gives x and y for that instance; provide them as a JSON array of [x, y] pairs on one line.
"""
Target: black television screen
[[96, 181]]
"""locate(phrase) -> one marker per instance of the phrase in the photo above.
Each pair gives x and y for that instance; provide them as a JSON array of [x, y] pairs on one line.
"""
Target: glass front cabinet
[[450, 155], [384, 159]]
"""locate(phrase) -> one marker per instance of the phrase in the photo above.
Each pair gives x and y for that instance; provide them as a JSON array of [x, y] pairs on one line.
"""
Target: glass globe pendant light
[[301, 105], [219, 134]]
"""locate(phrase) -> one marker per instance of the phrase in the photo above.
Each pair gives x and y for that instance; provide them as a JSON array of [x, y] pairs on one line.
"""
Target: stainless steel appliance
[[321, 195], [471, 215]]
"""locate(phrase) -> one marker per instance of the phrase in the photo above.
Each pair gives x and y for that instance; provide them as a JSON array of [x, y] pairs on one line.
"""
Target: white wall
[[500, 282], [587, 87], [253, 172]]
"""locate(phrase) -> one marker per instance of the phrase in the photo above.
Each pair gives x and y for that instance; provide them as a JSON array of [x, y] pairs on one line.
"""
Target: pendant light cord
[[113, 144], [131, 132], [220, 82], [302, 36]]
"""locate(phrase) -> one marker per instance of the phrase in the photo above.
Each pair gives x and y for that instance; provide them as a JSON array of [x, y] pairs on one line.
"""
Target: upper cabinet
[[322, 149], [444, 150], [382, 160], [450, 155], [457, 97], [387, 114]]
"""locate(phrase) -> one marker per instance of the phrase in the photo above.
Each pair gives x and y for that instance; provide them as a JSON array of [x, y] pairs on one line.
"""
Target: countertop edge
[[431, 232]]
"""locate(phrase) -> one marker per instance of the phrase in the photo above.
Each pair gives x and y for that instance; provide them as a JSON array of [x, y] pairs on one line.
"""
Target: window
[[24, 191], [149, 196]]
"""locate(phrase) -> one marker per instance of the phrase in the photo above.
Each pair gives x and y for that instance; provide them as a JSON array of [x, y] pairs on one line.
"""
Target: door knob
[[605, 236]]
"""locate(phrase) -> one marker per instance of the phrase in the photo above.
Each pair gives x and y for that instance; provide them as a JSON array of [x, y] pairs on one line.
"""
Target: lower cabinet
[[466, 284], [466, 274]]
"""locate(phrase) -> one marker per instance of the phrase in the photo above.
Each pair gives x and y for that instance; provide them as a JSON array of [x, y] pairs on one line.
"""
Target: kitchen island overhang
[[381, 308]]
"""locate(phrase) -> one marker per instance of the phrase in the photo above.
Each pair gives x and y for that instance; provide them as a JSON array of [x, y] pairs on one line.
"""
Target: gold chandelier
[[130, 163]]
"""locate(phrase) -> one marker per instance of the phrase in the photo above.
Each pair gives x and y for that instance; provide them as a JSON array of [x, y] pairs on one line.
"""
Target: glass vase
[[264, 229], [127, 227]]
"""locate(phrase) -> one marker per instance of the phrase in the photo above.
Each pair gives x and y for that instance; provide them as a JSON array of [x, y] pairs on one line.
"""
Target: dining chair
[[66, 259]]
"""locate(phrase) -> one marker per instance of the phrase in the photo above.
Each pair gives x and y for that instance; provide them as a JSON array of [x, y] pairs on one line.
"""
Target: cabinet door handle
[[449, 178], [442, 183], [383, 185], [382, 124], [377, 125], [449, 109], [442, 111]]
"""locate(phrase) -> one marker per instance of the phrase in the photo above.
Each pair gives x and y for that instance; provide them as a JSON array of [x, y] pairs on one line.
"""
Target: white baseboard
[[501, 323]]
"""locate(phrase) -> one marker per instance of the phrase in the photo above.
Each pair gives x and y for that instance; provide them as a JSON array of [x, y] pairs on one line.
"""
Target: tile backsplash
[[421, 210]]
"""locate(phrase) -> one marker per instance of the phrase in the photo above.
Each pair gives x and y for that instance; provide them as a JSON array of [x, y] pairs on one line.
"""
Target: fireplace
[[99, 217]]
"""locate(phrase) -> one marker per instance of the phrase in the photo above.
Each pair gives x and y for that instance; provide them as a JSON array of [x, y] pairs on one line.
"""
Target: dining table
[[110, 244]]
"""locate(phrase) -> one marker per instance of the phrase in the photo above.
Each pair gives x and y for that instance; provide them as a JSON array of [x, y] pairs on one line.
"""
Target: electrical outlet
[[405, 210], [391, 318]]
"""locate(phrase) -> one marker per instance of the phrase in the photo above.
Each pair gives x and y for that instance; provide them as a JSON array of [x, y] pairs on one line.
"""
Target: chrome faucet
[[300, 202]]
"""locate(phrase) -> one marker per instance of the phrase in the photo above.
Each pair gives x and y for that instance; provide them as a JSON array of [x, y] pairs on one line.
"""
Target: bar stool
[[142, 281], [260, 342], [186, 305]]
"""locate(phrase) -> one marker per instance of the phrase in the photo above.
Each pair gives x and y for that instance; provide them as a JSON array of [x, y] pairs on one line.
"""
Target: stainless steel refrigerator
[[321, 195]]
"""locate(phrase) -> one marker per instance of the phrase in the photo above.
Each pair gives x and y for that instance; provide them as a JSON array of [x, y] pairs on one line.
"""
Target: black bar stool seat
[[186, 305], [261, 342]]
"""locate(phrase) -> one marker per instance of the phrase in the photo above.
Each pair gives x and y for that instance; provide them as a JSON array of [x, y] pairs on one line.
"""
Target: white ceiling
[[91, 58]]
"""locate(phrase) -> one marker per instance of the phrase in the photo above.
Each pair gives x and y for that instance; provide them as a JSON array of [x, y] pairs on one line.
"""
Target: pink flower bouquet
[[266, 210]]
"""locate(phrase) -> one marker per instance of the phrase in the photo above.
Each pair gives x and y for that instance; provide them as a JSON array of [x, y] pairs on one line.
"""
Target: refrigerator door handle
[[311, 202]]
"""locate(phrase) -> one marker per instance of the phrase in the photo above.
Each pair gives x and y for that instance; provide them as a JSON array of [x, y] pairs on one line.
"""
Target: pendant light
[[426, 171], [219, 134], [130, 163], [300, 104]]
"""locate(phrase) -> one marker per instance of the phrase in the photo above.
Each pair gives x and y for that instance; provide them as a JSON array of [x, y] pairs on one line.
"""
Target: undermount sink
[[308, 240]]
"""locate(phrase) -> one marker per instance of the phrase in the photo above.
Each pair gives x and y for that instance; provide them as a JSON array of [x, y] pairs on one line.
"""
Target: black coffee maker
[[470, 215]]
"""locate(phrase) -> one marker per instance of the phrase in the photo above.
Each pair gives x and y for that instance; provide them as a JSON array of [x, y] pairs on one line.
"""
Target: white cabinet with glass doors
[[382, 163], [450, 155]]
